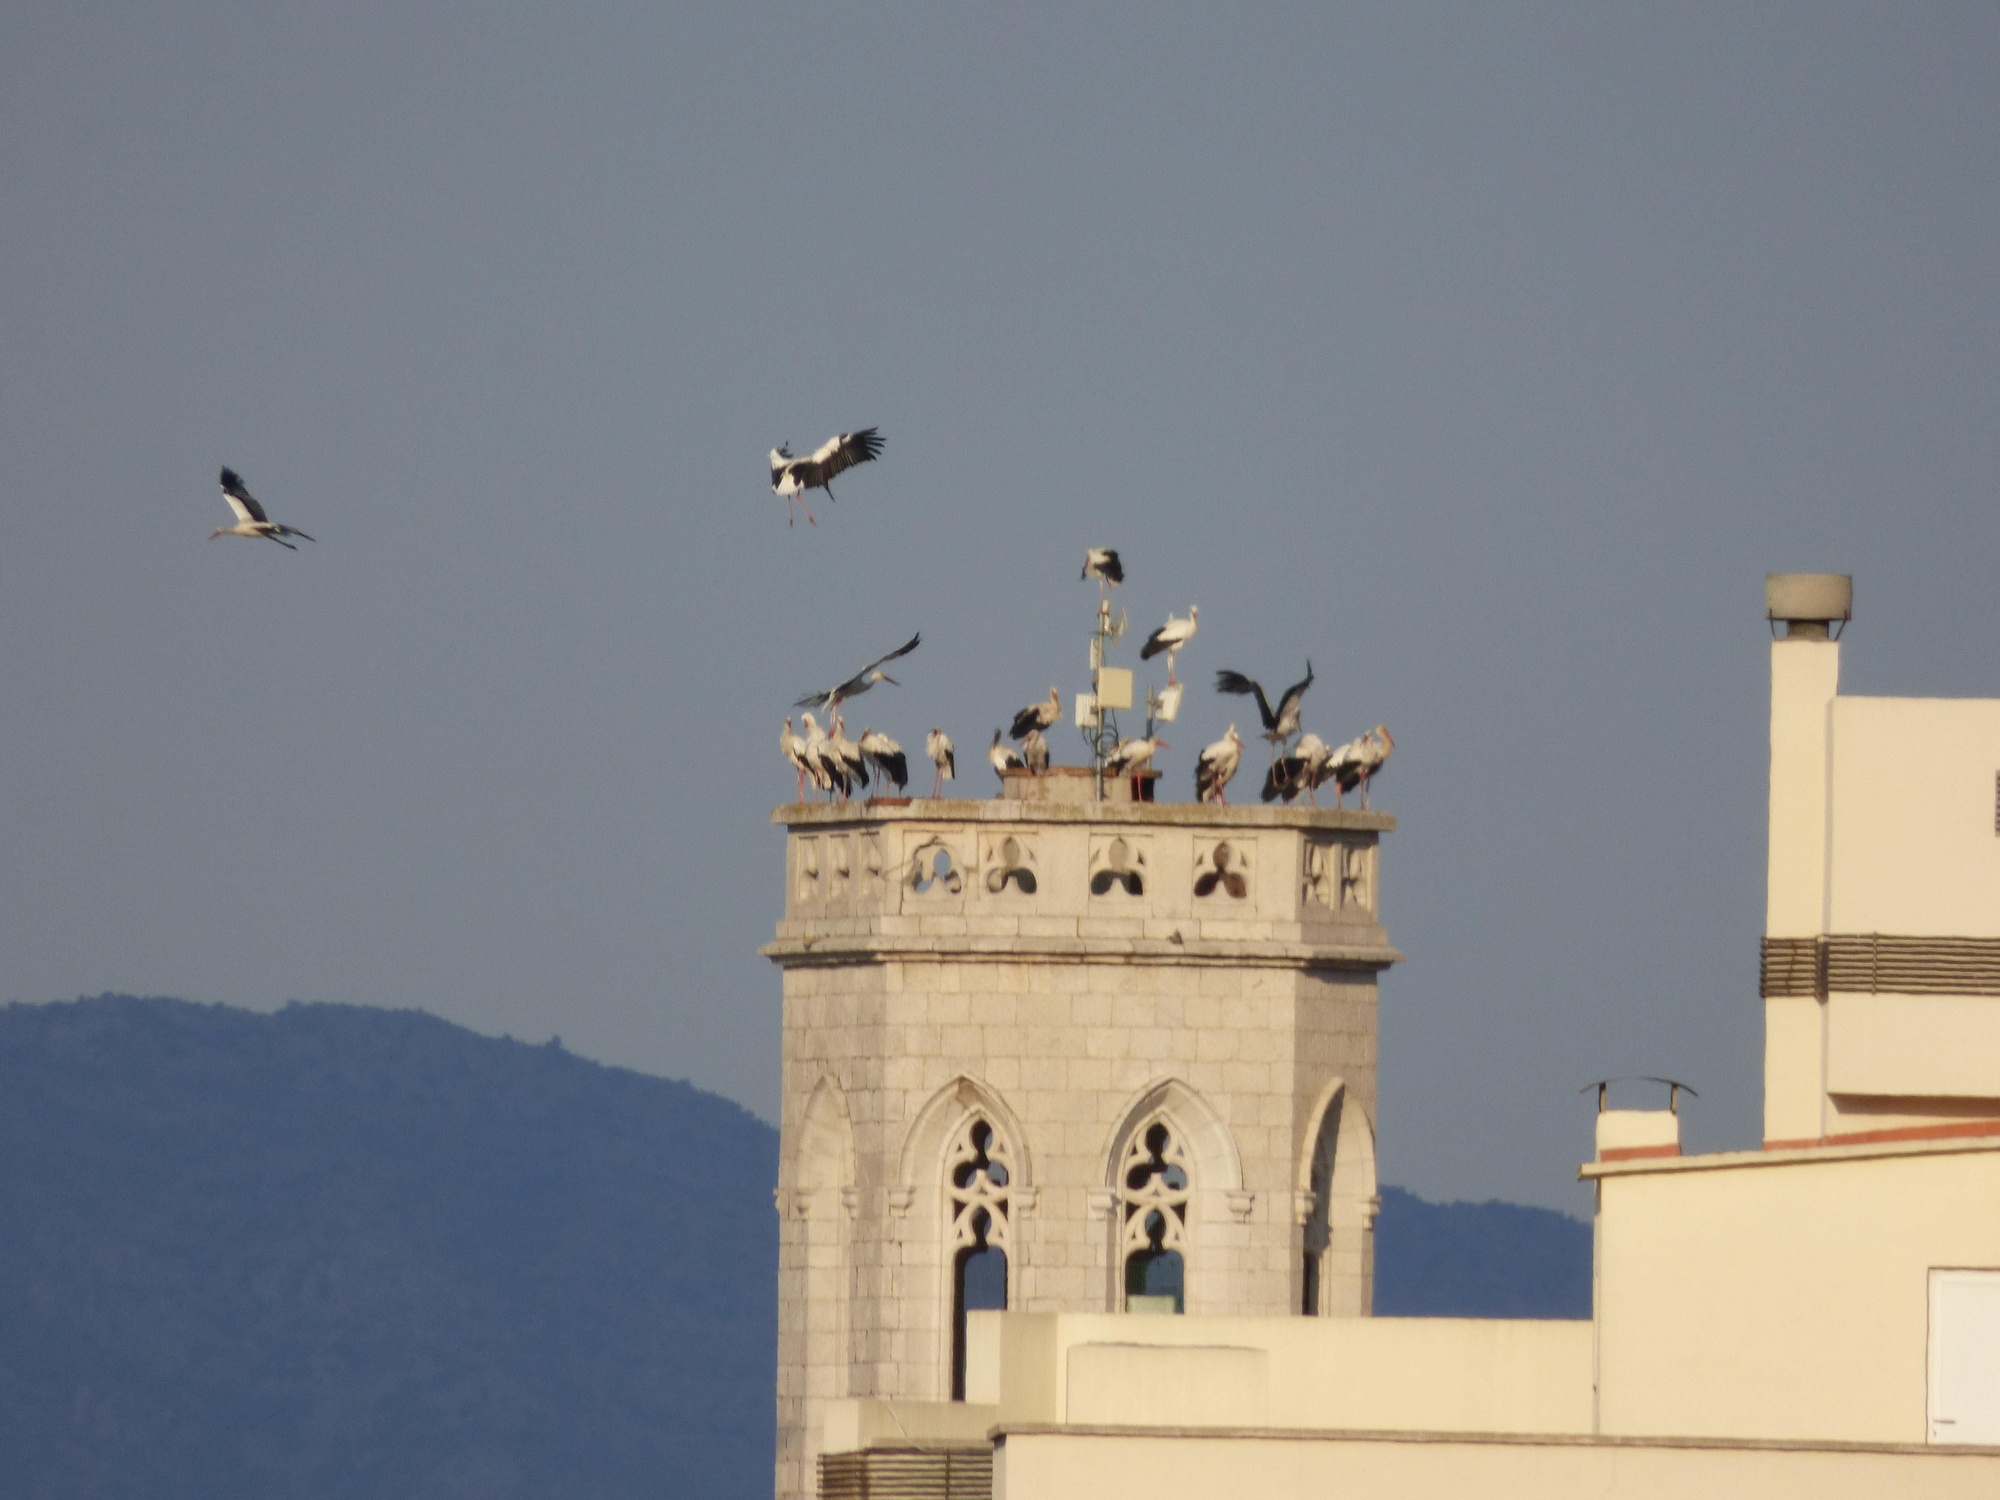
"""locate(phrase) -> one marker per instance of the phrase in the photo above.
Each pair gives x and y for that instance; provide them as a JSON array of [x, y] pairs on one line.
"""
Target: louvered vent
[[1873, 964], [907, 1474]]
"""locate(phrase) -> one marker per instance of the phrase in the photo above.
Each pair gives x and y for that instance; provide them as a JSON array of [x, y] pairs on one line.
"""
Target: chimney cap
[[1809, 598]]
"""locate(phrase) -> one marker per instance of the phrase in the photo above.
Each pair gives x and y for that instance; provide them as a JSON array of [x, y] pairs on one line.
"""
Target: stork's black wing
[[232, 488], [903, 650], [849, 449], [1288, 702], [1236, 682], [1028, 718]]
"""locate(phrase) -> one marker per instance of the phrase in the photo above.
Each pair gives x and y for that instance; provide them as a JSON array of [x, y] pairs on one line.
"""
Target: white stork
[[1036, 716], [1169, 638], [1281, 723], [886, 756], [1218, 762], [1102, 562], [820, 765], [794, 747], [1359, 761], [847, 755], [250, 518], [1129, 757], [1035, 752], [937, 745], [861, 681], [792, 477], [1304, 770], [1003, 759]]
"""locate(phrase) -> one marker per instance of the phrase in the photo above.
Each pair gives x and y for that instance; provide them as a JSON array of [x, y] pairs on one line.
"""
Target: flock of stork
[[1301, 763]]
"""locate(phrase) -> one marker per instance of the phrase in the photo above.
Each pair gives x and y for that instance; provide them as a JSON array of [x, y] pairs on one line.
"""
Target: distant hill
[[339, 1252], [1478, 1260], [342, 1252]]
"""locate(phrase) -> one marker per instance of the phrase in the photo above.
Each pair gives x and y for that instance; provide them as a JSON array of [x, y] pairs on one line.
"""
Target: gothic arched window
[[1153, 1186], [977, 1176]]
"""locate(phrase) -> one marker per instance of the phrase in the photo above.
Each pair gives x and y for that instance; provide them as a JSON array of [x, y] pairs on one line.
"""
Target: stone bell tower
[[1061, 1055]]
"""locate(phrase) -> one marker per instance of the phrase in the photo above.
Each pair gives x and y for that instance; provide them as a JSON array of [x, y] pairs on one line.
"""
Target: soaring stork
[[861, 681], [1359, 761], [937, 745], [1003, 759], [1169, 638], [792, 477], [1102, 562], [1036, 716], [1217, 765], [794, 747], [1281, 723], [1035, 752], [886, 756], [250, 517], [1306, 770], [1129, 757], [847, 755]]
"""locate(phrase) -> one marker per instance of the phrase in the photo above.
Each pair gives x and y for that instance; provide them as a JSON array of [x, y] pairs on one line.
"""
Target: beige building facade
[[1816, 1316]]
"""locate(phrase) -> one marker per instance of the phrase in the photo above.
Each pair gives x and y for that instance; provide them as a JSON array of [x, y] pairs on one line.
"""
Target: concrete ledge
[[1729, 1161], [1001, 1432]]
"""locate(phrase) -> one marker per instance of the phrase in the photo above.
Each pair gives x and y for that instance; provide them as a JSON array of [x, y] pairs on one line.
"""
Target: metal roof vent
[[1809, 604]]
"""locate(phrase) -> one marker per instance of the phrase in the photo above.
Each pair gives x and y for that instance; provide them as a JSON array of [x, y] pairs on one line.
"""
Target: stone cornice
[[818, 952], [1097, 814]]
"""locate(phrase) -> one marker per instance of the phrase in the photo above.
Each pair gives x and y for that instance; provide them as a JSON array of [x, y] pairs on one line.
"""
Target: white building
[[1150, 1085]]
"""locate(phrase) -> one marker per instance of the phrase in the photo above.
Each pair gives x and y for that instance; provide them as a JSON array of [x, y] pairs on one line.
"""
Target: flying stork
[[1129, 757], [250, 518], [1306, 770], [1036, 716], [1102, 562], [937, 745], [1279, 724], [1003, 759], [1169, 638], [886, 756], [1217, 765], [794, 747], [861, 681], [792, 477]]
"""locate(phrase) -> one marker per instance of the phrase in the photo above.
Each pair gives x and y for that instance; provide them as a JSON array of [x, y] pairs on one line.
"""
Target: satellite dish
[[1117, 628]]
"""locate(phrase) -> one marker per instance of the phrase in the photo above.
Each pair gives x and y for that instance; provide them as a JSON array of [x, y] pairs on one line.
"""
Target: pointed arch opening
[[1170, 1150], [1337, 1198]]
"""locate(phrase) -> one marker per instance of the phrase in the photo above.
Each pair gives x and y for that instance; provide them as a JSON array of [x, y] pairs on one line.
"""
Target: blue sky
[[1488, 355]]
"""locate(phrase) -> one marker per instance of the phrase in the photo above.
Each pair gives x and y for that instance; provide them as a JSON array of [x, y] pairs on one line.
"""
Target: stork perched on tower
[[1129, 757], [1169, 638], [861, 681], [937, 745], [1306, 770], [1035, 752], [847, 755], [792, 477], [1003, 759], [1281, 723], [794, 748], [821, 765], [1217, 765], [1036, 716], [886, 756], [1360, 761], [1102, 563], [250, 518]]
